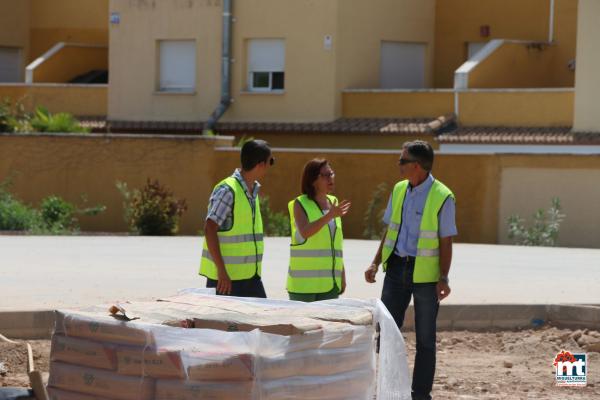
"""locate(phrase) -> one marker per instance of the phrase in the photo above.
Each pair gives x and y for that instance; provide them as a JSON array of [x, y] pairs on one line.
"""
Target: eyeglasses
[[328, 175], [404, 161], [272, 161]]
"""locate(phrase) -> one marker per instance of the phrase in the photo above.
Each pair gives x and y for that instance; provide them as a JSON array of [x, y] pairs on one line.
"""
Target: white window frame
[[270, 87], [252, 70], [183, 89]]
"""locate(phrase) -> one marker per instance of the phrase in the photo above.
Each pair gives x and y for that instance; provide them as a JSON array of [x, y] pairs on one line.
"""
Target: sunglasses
[[328, 175], [271, 161], [404, 161]]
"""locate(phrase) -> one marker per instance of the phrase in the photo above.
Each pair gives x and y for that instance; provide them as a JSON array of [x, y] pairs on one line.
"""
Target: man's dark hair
[[253, 153], [421, 152]]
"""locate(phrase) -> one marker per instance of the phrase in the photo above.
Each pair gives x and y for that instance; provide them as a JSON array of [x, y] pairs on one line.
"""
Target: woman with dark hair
[[316, 269]]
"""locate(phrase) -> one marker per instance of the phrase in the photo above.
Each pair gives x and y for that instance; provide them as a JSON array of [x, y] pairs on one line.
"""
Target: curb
[[36, 324], [495, 317], [39, 324]]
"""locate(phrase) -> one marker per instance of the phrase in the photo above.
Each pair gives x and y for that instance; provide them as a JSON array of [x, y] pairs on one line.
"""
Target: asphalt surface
[[39, 272]]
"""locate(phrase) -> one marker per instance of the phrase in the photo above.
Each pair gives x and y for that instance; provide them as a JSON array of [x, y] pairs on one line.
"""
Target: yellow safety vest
[[316, 263], [242, 245], [427, 264]]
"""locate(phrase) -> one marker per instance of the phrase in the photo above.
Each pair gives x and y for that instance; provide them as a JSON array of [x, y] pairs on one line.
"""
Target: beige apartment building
[[290, 59], [491, 63], [298, 61]]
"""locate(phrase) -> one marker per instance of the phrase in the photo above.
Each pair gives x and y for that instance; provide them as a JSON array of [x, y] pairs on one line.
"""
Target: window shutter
[[266, 55], [177, 65]]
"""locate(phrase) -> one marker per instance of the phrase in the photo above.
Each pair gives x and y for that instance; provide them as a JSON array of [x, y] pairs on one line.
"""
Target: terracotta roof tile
[[343, 125], [443, 126], [392, 126], [517, 135]]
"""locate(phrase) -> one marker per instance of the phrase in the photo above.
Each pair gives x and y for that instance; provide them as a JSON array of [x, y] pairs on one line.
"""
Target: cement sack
[[220, 366], [193, 354], [83, 352], [102, 328], [155, 363], [97, 382], [190, 390], [332, 335]]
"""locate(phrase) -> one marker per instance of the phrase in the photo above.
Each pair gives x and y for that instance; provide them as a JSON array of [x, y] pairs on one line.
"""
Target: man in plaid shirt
[[256, 159]]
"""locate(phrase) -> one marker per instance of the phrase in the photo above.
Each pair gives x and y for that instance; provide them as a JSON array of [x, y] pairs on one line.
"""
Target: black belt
[[405, 259]]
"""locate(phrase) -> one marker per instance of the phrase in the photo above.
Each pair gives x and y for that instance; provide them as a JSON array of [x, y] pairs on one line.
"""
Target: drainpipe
[[225, 69], [551, 23]]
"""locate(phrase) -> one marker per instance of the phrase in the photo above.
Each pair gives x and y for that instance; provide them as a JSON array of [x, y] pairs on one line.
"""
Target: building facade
[[291, 59], [69, 36]]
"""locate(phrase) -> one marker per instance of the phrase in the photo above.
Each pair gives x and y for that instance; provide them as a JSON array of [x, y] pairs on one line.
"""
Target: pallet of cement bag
[[275, 351]]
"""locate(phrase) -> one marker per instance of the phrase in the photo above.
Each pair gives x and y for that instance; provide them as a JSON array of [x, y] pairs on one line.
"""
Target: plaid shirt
[[220, 205]]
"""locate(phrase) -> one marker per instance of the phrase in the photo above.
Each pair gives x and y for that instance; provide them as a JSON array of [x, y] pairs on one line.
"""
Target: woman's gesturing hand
[[341, 209]]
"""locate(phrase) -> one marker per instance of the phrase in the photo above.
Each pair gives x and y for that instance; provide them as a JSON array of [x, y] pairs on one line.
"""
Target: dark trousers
[[310, 297], [252, 287], [398, 288]]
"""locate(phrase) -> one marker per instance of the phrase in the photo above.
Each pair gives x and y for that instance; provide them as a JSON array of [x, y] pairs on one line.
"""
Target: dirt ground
[[510, 365], [471, 365], [13, 361]]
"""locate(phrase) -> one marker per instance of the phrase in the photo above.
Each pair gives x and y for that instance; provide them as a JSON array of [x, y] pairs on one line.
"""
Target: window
[[10, 64], [402, 65], [177, 66], [266, 65]]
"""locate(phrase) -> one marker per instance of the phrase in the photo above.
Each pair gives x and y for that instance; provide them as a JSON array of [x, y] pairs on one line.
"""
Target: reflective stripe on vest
[[235, 259], [316, 263], [241, 246], [427, 264], [315, 253]]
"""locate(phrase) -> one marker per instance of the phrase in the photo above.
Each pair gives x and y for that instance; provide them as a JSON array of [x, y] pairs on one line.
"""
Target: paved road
[[53, 272]]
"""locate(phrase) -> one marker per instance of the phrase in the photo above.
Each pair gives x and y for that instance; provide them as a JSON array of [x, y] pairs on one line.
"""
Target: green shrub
[[274, 223], [43, 121], [58, 214], [13, 117], [373, 218], [55, 216], [152, 211], [14, 215], [544, 229]]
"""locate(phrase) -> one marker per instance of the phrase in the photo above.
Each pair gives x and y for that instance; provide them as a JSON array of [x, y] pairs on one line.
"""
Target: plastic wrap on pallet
[[393, 382], [99, 356]]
